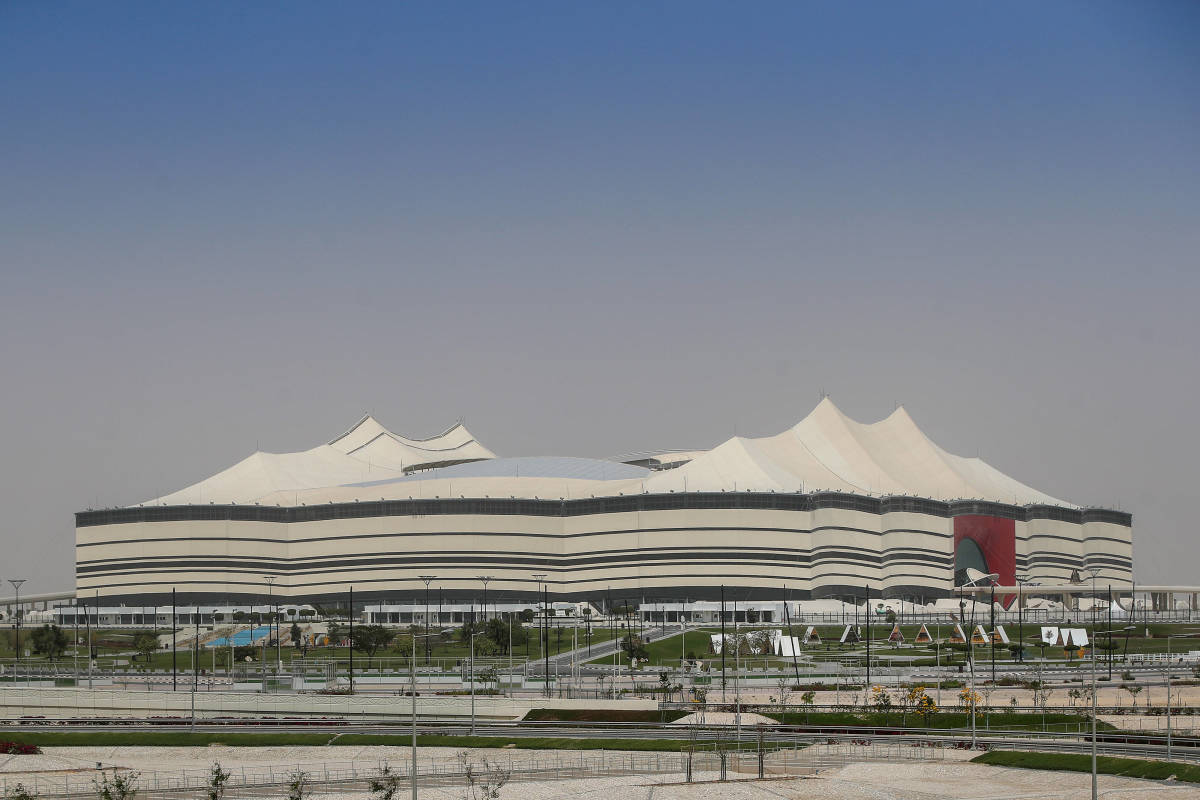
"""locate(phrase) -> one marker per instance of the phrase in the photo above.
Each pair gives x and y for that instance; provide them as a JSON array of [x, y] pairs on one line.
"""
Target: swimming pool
[[241, 638]]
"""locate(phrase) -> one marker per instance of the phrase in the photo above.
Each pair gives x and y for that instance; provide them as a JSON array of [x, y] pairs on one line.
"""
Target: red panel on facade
[[997, 538]]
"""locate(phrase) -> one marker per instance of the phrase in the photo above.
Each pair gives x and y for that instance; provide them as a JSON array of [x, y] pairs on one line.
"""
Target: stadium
[[821, 510]]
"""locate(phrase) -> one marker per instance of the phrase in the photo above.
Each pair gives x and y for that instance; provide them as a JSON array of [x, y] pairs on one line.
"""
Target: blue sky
[[596, 228]]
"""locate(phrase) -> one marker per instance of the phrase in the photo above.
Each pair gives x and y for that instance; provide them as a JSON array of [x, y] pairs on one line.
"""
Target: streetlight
[[1169, 638], [412, 673], [484, 580], [427, 579], [973, 583], [471, 676], [16, 584], [539, 577], [270, 579], [1094, 571], [1021, 615]]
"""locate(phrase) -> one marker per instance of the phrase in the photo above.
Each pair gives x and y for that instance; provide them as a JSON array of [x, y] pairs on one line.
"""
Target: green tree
[[297, 636], [19, 792], [49, 641], [369, 639], [385, 785], [299, 785], [116, 786], [217, 778], [146, 643], [634, 647]]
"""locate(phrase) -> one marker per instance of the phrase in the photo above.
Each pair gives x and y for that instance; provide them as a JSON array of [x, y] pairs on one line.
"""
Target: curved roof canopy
[[825, 451]]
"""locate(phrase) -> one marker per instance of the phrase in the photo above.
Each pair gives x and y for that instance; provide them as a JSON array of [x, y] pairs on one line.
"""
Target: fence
[[704, 761]]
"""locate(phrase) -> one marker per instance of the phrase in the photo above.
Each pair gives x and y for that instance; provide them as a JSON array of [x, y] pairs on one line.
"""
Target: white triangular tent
[[787, 646], [849, 636], [957, 636], [923, 636], [1073, 637], [1050, 634], [811, 636], [1000, 636], [979, 635], [896, 637]]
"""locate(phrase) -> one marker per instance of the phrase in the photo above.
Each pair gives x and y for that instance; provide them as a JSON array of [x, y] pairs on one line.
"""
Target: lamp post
[[539, 577], [970, 637], [412, 677], [270, 579], [1169, 638], [484, 580], [427, 579], [471, 677], [16, 584], [1021, 615], [1094, 571]]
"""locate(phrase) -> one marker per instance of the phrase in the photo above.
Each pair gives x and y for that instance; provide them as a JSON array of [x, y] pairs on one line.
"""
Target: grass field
[[116, 645], [1081, 762], [668, 650], [204, 739], [943, 720]]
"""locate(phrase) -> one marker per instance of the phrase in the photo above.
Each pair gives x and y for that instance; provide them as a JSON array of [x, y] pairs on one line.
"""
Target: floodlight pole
[[427, 579], [16, 584], [1095, 571], [539, 577], [1021, 620], [270, 579]]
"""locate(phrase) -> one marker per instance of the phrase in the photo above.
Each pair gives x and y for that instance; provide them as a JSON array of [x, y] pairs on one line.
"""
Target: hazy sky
[[592, 229]]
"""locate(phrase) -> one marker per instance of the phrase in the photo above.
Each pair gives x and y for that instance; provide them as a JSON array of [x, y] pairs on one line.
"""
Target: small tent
[[1050, 634], [896, 637], [923, 636], [850, 635], [957, 636], [999, 636], [979, 635], [811, 636]]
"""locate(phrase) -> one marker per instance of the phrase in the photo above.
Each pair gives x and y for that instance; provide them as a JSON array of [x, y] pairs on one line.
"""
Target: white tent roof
[[825, 451]]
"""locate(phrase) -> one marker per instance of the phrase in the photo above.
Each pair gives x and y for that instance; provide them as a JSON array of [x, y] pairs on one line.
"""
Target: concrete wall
[[116, 703]]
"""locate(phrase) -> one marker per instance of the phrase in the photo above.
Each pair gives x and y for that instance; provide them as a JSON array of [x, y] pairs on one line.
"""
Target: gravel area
[[949, 779]]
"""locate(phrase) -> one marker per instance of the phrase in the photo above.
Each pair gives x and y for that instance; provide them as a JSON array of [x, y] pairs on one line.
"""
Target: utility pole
[[273, 623], [723, 643], [350, 617], [867, 608], [174, 647], [427, 579], [16, 584], [539, 577]]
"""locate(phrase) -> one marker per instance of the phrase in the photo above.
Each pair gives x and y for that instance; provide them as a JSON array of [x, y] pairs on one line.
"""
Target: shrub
[[19, 749]]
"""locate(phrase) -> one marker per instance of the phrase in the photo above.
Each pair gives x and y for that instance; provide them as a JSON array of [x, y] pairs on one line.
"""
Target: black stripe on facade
[[598, 505]]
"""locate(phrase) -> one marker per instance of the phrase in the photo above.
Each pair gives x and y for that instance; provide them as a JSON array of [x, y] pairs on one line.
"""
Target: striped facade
[[759, 545]]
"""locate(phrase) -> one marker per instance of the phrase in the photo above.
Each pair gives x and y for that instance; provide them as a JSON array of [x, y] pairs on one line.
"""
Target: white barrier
[[109, 703]]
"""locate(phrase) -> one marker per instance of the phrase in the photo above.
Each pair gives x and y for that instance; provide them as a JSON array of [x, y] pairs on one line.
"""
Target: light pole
[[1021, 615], [16, 584], [471, 677], [412, 677], [1169, 638], [539, 577], [484, 580], [427, 579], [270, 579], [992, 577], [1094, 571]]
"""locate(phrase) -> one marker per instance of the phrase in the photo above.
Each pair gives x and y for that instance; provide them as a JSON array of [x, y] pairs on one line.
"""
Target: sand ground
[[937, 780]]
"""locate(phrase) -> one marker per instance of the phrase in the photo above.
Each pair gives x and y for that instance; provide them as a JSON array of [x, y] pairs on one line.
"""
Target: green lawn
[[943, 720], [1081, 762]]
